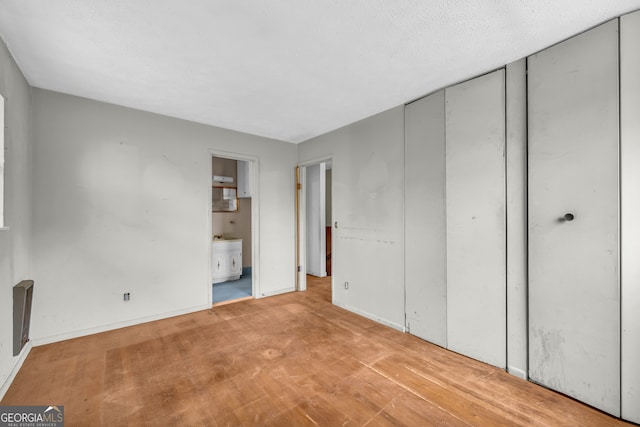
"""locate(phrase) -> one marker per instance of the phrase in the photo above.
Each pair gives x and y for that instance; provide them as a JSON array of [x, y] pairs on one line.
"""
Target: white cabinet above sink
[[245, 179]]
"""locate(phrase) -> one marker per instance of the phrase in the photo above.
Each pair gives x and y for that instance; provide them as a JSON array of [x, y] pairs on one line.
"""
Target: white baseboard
[[517, 372], [118, 325], [373, 317], [21, 358]]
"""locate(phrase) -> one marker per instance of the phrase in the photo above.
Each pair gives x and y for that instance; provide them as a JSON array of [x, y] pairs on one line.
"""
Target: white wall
[[122, 204], [368, 205], [15, 242]]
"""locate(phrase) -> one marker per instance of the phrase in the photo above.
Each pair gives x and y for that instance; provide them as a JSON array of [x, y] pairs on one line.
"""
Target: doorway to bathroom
[[233, 197], [314, 207]]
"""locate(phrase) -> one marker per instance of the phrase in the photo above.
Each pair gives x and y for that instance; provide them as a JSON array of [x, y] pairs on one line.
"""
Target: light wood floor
[[294, 360]]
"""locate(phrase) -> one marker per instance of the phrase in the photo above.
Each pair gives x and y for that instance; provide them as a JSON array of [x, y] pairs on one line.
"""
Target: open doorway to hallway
[[321, 286], [315, 214], [231, 218]]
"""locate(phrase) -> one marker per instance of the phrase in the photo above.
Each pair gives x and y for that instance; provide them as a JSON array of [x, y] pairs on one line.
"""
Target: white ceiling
[[284, 69]]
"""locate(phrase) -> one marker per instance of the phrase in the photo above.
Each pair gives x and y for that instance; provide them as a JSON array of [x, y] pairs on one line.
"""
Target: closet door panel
[[574, 335], [475, 218], [425, 233], [630, 214]]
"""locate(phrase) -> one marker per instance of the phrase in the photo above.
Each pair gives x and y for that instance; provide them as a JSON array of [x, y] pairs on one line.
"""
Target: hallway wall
[[368, 205]]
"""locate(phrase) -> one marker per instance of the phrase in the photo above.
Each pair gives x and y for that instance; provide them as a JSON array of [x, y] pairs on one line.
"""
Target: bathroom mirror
[[225, 199]]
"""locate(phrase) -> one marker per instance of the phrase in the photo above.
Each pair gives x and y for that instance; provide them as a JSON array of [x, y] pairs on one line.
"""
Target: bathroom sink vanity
[[227, 260]]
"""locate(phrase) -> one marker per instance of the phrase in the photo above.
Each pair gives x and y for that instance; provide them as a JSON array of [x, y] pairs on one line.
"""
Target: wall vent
[[22, 297]]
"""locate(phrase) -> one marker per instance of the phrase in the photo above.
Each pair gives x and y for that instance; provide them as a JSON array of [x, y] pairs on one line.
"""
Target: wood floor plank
[[292, 359]]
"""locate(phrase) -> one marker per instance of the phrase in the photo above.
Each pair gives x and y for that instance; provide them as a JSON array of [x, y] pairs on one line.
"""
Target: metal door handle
[[568, 217]]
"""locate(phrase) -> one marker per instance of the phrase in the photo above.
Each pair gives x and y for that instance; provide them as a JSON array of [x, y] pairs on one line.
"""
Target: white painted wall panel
[[122, 204], [425, 235], [15, 240], [368, 203], [574, 297], [517, 218], [476, 228], [630, 213]]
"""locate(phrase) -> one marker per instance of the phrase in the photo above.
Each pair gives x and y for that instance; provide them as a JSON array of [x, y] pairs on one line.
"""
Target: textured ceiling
[[284, 69]]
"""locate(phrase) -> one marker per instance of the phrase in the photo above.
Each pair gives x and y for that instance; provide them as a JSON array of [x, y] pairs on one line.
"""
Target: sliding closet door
[[475, 218], [630, 215], [574, 317], [425, 273]]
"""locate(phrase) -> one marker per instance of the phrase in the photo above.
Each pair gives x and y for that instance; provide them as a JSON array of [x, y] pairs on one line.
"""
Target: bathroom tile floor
[[233, 290]]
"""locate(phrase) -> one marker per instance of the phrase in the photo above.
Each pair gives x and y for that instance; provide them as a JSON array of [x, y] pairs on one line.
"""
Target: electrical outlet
[[127, 296], [346, 285]]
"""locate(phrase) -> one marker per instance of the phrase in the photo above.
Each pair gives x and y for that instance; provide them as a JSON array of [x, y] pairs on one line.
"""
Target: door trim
[[301, 238], [255, 221]]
